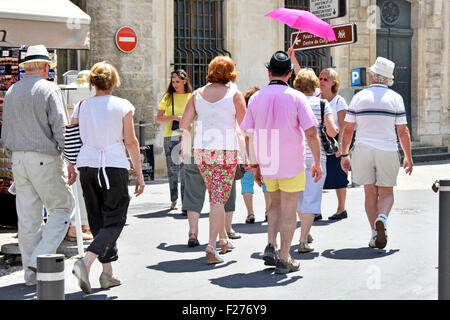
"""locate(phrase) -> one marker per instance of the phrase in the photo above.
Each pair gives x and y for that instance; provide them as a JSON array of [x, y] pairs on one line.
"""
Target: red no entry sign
[[126, 39]]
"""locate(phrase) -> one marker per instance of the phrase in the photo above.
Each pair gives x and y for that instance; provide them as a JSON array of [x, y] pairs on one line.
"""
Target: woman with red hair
[[218, 107]]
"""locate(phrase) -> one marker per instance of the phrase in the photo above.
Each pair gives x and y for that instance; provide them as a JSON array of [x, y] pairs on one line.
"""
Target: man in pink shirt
[[278, 119]]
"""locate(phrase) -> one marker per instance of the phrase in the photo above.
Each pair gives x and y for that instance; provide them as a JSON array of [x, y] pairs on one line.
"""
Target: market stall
[[57, 24]]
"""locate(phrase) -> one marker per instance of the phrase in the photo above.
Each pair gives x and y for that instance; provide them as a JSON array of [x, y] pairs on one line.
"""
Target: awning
[[57, 24]]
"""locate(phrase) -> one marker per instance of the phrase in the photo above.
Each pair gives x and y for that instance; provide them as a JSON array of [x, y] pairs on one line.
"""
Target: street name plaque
[[345, 34], [328, 9]]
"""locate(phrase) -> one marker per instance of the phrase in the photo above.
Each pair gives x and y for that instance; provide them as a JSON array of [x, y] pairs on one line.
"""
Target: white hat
[[37, 53], [383, 67]]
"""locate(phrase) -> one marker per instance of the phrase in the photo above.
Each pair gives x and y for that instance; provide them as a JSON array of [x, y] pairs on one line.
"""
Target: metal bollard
[[444, 240], [50, 277], [141, 132]]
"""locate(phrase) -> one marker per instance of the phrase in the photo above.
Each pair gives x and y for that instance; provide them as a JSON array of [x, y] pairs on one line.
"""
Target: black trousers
[[106, 209]]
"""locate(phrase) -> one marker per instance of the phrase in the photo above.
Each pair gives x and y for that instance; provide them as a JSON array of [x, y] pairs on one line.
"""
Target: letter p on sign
[[358, 77]]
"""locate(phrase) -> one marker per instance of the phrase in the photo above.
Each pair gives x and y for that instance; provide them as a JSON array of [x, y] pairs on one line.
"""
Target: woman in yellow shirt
[[170, 110]]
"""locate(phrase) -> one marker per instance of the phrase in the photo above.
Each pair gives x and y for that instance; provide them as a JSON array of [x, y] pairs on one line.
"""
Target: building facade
[[188, 33]]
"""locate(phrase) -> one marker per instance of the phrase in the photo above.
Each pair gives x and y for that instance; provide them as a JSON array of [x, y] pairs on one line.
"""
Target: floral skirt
[[217, 168]]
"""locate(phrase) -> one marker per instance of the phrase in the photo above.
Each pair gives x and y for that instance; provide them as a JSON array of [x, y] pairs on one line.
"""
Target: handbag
[[330, 145], [175, 123], [240, 171], [72, 140]]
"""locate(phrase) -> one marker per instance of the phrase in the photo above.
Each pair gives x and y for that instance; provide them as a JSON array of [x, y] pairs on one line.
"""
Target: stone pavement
[[155, 262]]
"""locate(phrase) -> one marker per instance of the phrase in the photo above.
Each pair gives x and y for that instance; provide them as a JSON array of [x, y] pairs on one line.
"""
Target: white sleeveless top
[[215, 127]]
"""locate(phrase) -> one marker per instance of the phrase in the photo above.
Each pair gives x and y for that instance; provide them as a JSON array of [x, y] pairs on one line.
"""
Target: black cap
[[280, 63]]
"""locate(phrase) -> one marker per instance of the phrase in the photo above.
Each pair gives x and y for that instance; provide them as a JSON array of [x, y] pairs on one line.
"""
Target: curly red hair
[[222, 69]]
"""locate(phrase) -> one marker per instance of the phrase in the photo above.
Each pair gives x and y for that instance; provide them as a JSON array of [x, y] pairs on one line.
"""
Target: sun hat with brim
[[383, 67], [280, 62], [37, 53]]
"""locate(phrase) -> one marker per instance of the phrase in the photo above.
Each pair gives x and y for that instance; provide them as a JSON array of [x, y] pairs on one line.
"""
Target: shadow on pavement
[[259, 279], [181, 248], [322, 223], [363, 253], [166, 213], [186, 266], [252, 228], [81, 296], [18, 292]]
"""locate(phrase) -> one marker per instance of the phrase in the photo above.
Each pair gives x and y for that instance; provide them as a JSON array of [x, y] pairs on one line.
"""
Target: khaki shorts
[[374, 166]]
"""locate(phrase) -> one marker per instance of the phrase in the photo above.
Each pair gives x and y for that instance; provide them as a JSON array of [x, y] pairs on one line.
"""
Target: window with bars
[[199, 36], [316, 59]]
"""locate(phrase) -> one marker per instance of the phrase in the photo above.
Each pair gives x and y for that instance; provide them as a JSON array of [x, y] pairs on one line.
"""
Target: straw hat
[[37, 53], [383, 67]]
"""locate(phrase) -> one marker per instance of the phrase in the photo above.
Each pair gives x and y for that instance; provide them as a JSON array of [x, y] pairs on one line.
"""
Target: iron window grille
[[199, 36]]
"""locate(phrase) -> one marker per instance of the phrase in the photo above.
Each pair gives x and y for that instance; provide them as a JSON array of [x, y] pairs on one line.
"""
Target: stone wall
[[430, 62], [144, 72], [252, 38], [433, 71]]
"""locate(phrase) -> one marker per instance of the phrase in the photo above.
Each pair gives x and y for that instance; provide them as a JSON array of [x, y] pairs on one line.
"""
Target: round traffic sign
[[126, 39]]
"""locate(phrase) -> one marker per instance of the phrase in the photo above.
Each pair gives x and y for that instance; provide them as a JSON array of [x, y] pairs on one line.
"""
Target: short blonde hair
[[306, 80], [104, 76], [34, 66], [222, 69], [333, 75]]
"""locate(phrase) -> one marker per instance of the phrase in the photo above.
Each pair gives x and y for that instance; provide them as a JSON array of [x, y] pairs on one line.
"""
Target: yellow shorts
[[294, 184]]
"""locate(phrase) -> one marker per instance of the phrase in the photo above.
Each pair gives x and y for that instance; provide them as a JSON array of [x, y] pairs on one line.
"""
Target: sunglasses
[[324, 79], [180, 73]]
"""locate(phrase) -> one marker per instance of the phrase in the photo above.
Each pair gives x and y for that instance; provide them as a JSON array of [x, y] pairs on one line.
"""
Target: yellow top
[[179, 106]]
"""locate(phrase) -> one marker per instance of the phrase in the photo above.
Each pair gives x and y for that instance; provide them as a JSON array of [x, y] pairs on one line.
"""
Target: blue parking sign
[[358, 77]]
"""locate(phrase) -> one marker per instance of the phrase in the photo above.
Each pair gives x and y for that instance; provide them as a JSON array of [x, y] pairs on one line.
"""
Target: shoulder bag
[[72, 140], [175, 123], [330, 145]]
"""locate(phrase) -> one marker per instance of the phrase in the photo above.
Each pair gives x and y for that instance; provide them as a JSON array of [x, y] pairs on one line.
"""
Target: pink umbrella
[[305, 21]]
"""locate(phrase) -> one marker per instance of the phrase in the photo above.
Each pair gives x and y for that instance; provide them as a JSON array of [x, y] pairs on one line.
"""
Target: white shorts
[[374, 166], [310, 200]]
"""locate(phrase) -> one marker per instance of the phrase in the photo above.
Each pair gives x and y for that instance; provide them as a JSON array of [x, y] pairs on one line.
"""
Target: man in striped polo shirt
[[377, 112]]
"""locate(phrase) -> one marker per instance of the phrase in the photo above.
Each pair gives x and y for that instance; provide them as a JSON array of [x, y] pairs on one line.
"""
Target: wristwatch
[[344, 155], [254, 165]]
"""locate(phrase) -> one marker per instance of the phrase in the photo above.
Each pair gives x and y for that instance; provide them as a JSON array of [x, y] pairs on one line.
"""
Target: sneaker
[[304, 247], [284, 266], [380, 227], [318, 217], [339, 216], [372, 241], [270, 255]]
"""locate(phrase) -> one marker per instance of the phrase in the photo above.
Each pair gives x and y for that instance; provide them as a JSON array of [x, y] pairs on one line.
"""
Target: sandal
[[233, 235], [227, 246], [193, 241], [250, 218], [212, 257], [72, 235], [173, 206]]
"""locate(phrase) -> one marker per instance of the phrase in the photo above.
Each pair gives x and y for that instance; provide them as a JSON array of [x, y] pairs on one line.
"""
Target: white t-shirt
[[337, 104], [314, 102], [101, 130], [376, 111]]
